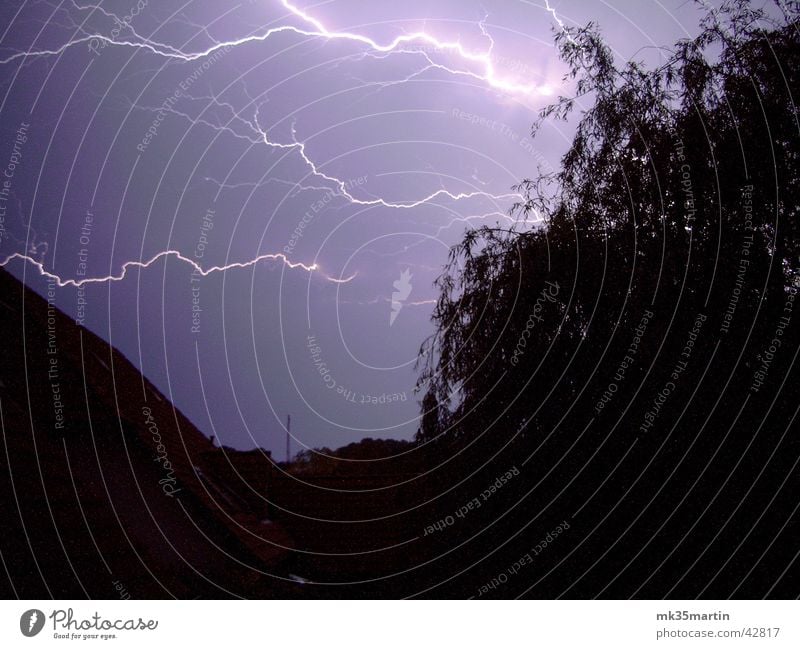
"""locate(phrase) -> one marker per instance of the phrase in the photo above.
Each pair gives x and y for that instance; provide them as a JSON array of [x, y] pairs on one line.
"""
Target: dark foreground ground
[[105, 489]]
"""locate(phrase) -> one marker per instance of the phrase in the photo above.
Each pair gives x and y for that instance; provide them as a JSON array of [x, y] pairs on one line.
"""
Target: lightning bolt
[[558, 20], [32, 621], [260, 136], [177, 255], [341, 185], [482, 59]]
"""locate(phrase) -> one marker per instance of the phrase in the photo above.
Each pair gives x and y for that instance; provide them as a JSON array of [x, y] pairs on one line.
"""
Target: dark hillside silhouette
[[103, 483]]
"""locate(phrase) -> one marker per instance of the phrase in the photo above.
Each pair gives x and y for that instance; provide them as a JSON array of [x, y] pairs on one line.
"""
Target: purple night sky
[[296, 173]]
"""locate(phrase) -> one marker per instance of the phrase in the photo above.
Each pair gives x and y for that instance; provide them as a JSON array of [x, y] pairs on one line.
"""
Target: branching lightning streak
[[342, 185], [482, 59], [558, 20], [177, 255]]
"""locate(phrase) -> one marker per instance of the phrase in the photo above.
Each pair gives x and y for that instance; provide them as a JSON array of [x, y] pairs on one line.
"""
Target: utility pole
[[288, 438]]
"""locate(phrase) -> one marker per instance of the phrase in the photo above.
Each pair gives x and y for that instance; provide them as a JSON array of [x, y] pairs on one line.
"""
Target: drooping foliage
[[672, 218]]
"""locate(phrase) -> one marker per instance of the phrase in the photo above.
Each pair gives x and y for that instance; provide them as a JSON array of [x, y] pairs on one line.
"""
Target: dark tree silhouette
[[677, 197], [632, 348]]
